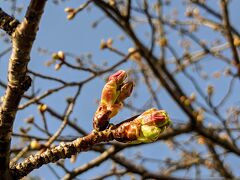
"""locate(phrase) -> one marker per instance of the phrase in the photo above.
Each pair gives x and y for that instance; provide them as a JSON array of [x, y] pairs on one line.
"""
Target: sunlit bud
[[61, 55], [153, 123], [109, 42], [154, 117], [200, 117], [196, 12], [112, 2], [57, 66], [125, 91], [201, 140], [103, 44], [210, 90], [70, 13], [58, 56], [42, 107], [182, 98], [187, 102], [118, 77], [55, 56], [70, 100], [163, 42], [35, 145], [224, 136], [109, 93], [188, 12], [135, 54], [145, 128], [236, 41], [113, 94], [68, 10]]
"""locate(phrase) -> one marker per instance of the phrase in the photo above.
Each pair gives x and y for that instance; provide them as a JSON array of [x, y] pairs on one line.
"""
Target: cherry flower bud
[[109, 93], [125, 91], [113, 94], [145, 128], [35, 144], [118, 77], [70, 13], [154, 117], [111, 89]]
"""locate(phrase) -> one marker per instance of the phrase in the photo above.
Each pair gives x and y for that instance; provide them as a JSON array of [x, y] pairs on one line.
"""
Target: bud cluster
[[114, 93], [145, 128]]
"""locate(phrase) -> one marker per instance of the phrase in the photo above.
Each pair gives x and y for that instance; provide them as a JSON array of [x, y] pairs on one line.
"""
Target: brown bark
[[18, 82]]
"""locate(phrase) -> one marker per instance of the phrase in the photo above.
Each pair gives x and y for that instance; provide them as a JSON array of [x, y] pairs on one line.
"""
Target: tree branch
[[7, 22], [62, 151], [218, 162], [18, 82], [229, 36]]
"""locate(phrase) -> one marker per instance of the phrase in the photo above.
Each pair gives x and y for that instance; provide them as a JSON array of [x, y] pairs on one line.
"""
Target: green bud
[[145, 128], [150, 133]]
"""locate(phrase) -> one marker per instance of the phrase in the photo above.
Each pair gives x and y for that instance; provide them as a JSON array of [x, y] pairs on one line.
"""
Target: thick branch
[[64, 150], [22, 39], [7, 22], [229, 36]]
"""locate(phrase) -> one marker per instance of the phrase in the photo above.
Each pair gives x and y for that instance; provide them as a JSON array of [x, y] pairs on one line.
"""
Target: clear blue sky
[[78, 37]]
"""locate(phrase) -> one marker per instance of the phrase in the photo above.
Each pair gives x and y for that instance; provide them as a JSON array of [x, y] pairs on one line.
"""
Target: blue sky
[[78, 37]]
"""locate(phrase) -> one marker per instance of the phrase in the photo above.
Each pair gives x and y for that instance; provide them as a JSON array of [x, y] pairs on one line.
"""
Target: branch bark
[[228, 33], [62, 151], [7, 22], [23, 37]]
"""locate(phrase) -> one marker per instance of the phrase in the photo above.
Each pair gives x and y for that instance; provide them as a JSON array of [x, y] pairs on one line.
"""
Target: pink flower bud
[[118, 77], [113, 94], [145, 128], [109, 93], [154, 117], [125, 91]]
